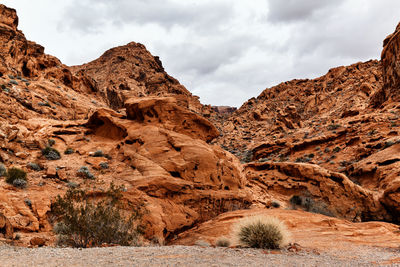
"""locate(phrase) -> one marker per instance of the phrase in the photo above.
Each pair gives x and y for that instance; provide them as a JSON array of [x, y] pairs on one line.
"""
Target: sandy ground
[[194, 256]]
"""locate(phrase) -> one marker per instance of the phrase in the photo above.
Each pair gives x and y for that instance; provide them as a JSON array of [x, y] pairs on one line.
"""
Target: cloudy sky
[[225, 51]]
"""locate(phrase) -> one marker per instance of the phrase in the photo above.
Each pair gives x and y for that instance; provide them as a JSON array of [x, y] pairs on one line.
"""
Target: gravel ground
[[191, 256]]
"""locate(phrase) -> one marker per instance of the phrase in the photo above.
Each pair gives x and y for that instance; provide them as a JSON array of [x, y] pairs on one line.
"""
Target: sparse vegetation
[[336, 149], [84, 222], [275, 204], [69, 151], [304, 159], [72, 185], [34, 166], [333, 127], [104, 165], [51, 153], [98, 153], [16, 177], [3, 170], [262, 232], [223, 242], [28, 202], [388, 144], [44, 104], [308, 204], [247, 156], [51, 142], [85, 173]]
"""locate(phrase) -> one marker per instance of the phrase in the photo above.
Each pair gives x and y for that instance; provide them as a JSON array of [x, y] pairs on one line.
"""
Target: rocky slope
[[320, 145], [330, 126]]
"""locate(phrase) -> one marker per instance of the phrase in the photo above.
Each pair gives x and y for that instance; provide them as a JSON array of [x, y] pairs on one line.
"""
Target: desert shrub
[[98, 153], [247, 156], [85, 173], [388, 144], [16, 177], [83, 222], [34, 166], [262, 232], [332, 127], [69, 151], [28, 202], [13, 82], [51, 153], [309, 204], [72, 185], [336, 149], [202, 243], [44, 104], [104, 165], [20, 183], [3, 169], [223, 242], [304, 159], [275, 204], [51, 142]]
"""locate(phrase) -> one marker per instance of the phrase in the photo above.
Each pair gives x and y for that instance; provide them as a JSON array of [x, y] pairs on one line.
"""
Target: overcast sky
[[225, 51]]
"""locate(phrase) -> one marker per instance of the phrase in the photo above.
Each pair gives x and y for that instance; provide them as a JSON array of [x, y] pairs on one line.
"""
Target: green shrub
[[85, 173], [16, 177], [44, 104], [83, 222], [69, 151], [51, 153], [20, 183], [333, 127], [275, 204], [72, 185], [223, 242], [104, 165], [98, 153], [336, 149], [308, 204], [34, 166], [51, 142], [3, 169], [262, 232]]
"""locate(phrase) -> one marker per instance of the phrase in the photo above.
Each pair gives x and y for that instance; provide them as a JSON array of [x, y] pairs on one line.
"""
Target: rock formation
[[328, 145]]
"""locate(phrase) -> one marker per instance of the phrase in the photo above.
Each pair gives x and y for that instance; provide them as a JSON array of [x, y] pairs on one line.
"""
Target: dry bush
[[223, 242], [84, 222], [264, 232]]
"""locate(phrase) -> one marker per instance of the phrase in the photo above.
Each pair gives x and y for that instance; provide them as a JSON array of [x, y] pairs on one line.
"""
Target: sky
[[225, 51]]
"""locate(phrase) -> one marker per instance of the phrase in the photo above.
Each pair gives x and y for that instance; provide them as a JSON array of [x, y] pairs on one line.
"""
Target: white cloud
[[225, 51]]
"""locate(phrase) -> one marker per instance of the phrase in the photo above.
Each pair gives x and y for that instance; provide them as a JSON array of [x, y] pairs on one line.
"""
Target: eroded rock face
[[166, 113], [182, 179], [310, 230], [6, 227], [391, 65], [330, 192]]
